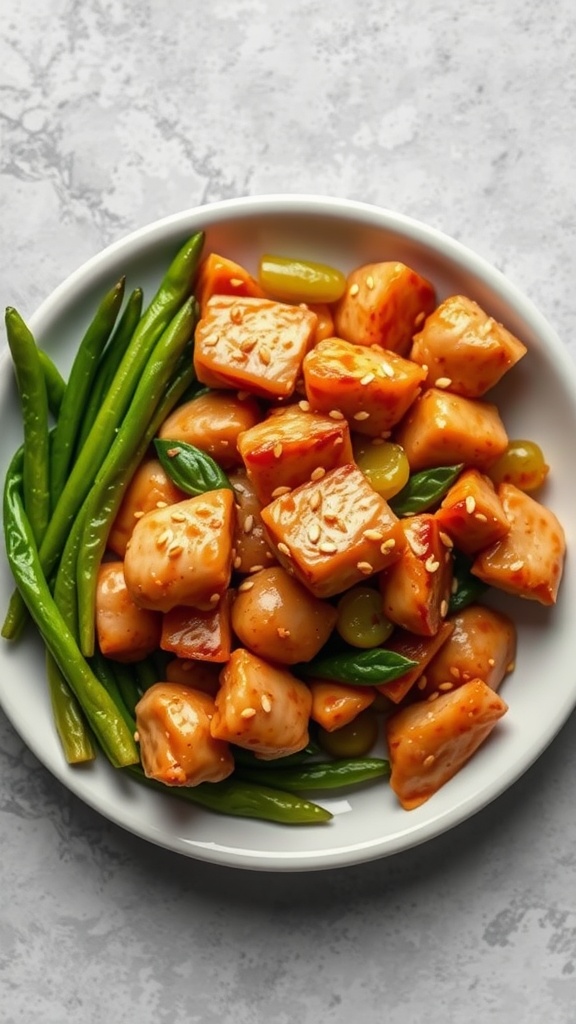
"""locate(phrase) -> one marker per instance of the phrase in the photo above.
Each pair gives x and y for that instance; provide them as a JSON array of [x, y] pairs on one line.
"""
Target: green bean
[[110, 362], [104, 671], [79, 386], [65, 588], [146, 674], [127, 683], [68, 718], [319, 775], [34, 403], [244, 800], [138, 429], [55, 383], [102, 714], [172, 292]]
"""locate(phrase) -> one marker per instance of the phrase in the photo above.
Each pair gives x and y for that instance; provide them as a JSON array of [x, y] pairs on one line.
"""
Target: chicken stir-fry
[[357, 448]]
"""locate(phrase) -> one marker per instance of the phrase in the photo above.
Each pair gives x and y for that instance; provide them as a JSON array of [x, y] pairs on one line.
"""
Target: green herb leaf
[[468, 588], [191, 470], [358, 668], [424, 489]]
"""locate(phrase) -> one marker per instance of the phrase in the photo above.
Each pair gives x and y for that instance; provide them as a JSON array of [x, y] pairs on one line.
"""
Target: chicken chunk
[[416, 589], [202, 635], [176, 745], [373, 388], [182, 555], [150, 488], [125, 632], [335, 704], [251, 550], [465, 347], [384, 304], [472, 514], [261, 707], [482, 645], [212, 423], [333, 531], [442, 429]]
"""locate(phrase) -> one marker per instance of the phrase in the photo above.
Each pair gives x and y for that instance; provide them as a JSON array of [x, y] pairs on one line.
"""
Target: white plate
[[538, 401]]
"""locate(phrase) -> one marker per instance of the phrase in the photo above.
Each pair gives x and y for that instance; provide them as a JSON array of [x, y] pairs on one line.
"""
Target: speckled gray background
[[461, 114]]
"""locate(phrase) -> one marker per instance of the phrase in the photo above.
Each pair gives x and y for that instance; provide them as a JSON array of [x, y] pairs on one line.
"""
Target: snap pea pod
[[141, 422], [244, 800], [70, 723], [55, 383], [102, 715], [110, 362], [319, 775], [173, 290], [79, 386], [34, 404]]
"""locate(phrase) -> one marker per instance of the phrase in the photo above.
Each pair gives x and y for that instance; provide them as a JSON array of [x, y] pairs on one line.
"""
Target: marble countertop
[[462, 115]]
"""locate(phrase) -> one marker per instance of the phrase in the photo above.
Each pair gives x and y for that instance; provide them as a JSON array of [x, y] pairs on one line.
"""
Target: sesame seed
[[422, 682], [264, 355], [419, 319], [454, 586], [248, 713], [237, 562], [480, 517], [377, 441], [444, 609], [328, 548], [365, 568], [510, 666], [470, 504], [283, 633], [314, 533], [433, 696], [235, 282], [246, 585], [385, 370], [269, 556], [516, 566], [446, 540], [491, 662], [361, 416], [255, 568], [372, 535], [367, 378], [304, 405], [431, 564], [236, 315], [248, 524], [242, 395], [279, 491], [387, 545], [175, 549], [178, 517], [214, 598], [370, 281], [335, 414], [446, 686], [248, 345], [443, 382], [355, 288], [318, 473], [161, 504], [139, 514], [210, 342], [283, 548], [338, 440], [136, 737], [278, 449], [315, 501], [455, 672], [164, 538], [429, 761], [266, 703]]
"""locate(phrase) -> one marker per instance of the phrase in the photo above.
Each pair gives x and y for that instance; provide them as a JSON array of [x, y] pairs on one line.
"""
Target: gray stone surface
[[463, 115]]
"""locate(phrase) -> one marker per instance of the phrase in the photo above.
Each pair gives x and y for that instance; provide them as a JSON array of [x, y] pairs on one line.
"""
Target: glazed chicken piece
[[212, 423], [150, 488], [125, 632]]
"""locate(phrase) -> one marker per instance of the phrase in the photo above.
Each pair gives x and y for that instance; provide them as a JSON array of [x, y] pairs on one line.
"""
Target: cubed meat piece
[[384, 304], [430, 741], [182, 555], [335, 704], [212, 423], [260, 707], [371, 387], [176, 746], [528, 562], [442, 429], [252, 344], [471, 513], [150, 488], [251, 550], [464, 348], [125, 632], [283, 450], [333, 531], [421, 649], [325, 321], [482, 645], [278, 618], [416, 589], [218, 275], [199, 675], [205, 636]]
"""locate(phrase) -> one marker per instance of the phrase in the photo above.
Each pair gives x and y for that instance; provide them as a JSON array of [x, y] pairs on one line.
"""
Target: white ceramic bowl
[[537, 400]]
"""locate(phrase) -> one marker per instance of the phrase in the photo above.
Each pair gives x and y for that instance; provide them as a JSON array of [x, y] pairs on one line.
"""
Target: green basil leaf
[[191, 470], [359, 668], [467, 588], [424, 489]]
